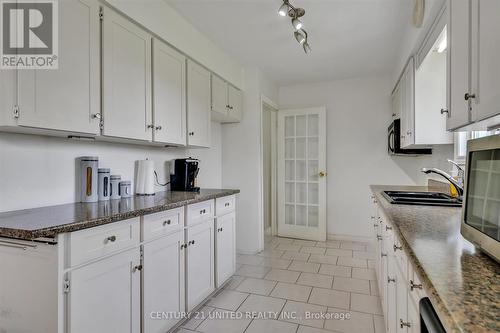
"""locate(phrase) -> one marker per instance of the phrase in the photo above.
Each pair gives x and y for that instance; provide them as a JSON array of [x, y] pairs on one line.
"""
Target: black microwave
[[394, 142]]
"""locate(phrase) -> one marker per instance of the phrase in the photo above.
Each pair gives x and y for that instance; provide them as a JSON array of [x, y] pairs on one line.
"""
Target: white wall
[[39, 171], [358, 114], [242, 163], [162, 19]]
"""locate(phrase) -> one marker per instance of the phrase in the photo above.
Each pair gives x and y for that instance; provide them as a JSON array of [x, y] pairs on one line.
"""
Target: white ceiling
[[349, 38]]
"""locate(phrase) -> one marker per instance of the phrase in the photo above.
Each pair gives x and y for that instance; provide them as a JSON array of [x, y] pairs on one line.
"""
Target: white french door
[[302, 173]]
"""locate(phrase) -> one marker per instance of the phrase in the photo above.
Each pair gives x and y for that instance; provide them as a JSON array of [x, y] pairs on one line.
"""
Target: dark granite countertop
[[47, 222], [462, 283]]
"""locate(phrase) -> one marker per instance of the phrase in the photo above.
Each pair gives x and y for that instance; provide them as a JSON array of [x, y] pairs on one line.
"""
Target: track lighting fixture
[[287, 9]]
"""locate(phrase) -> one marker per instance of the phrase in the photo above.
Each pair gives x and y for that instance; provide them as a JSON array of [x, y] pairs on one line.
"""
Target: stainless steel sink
[[422, 198]]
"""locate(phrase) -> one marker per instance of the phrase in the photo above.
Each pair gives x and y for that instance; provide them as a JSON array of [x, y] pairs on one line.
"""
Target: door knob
[[322, 174]]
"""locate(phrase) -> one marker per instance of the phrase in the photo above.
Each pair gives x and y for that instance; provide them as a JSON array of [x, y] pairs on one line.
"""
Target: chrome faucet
[[456, 184]]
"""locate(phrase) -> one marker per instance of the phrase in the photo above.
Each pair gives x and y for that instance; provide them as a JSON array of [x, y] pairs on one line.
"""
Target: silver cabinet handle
[[158, 128], [395, 247], [402, 323], [191, 133], [389, 280], [151, 126], [468, 96], [183, 246], [96, 116], [375, 225], [137, 268], [388, 228], [415, 286], [383, 255], [166, 222], [111, 239], [379, 237], [443, 111], [14, 246]]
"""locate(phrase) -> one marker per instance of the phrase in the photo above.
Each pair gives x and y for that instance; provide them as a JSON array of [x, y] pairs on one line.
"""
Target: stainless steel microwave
[[481, 214]]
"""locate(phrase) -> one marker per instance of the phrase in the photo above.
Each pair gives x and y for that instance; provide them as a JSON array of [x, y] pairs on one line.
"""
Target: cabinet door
[[390, 290], [198, 112], [104, 296], [485, 63], [407, 104], [396, 103], [413, 317], [200, 263], [235, 98], [458, 63], [126, 78], [68, 98], [163, 282], [225, 261], [219, 98], [401, 302], [169, 91]]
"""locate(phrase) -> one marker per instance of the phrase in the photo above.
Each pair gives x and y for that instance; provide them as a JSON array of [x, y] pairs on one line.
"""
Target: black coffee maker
[[183, 175]]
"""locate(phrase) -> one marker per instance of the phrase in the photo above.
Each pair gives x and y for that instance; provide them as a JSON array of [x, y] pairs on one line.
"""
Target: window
[[461, 139]]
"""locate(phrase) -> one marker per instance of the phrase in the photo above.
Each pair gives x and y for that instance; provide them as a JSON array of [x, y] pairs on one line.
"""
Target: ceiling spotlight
[[287, 9], [297, 24], [283, 11], [306, 47], [299, 37]]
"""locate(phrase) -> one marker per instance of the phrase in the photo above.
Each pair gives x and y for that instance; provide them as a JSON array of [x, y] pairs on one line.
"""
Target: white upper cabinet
[[220, 106], [408, 104], [67, 98], [126, 78], [485, 59], [227, 102], [235, 98], [458, 63], [198, 105], [169, 94], [474, 70]]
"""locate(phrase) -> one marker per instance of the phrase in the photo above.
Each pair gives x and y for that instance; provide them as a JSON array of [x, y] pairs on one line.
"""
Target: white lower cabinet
[[399, 285], [225, 248], [200, 263], [163, 282], [105, 296]]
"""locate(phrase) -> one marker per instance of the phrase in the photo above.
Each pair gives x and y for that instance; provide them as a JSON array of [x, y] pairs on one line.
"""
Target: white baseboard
[[350, 238], [246, 252]]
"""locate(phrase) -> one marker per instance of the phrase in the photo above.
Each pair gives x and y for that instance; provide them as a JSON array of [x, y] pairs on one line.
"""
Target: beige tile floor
[[297, 286]]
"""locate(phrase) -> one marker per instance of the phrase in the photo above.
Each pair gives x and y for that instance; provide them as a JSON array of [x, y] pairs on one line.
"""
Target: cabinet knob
[[191, 133], [111, 239], [389, 280], [395, 247], [137, 268], [402, 323], [379, 237], [191, 242], [166, 222], [468, 96], [158, 128], [443, 111], [383, 255], [408, 133], [415, 286], [151, 126], [96, 116], [388, 228]]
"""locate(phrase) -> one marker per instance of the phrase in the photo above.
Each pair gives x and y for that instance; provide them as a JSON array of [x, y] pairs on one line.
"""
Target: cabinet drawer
[[96, 242], [162, 223], [225, 205], [200, 212]]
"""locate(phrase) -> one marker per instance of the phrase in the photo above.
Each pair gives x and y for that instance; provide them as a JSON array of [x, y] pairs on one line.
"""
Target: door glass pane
[[301, 171], [301, 129], [289, 148], [301, 193], [313, 125], [289, 214], [289, 170], [313, 171], [301, 148], [312, 148], [313, 193], [289, 126], [301, 211], [290, 192], [313, 216]]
